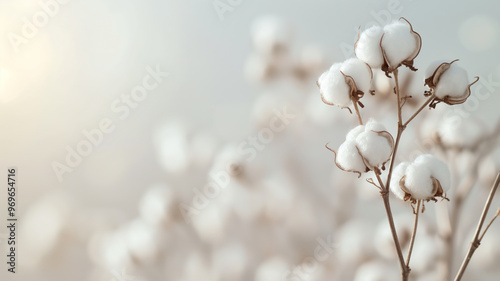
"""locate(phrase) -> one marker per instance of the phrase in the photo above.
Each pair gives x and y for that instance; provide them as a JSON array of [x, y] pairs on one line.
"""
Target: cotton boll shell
[[367, 48], [334, 89], [360, 72], [454, 82], [397, 174], [349, 158], [374, 148], [272, 269], [399, 43]]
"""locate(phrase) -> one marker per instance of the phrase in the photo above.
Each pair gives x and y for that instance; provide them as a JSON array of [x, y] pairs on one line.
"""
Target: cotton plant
[[369, 148]]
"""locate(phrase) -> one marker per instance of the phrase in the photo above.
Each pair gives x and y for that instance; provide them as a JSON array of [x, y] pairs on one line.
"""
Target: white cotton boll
[[397, 174], [418, 181], [368, 48], [334, 88], [360, 72], [197, 268], [349, 158], [258, 68], [211, 222], [155, 206], [453, 82], [272, 269], [374, 148], [279, 196], [355, 241], [439, 169], [399, 43]]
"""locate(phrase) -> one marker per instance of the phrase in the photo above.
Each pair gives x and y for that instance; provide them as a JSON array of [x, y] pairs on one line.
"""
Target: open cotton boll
[[439, 169], [155, 206], [429, 71], [334, 89], [399, 43], [397, 174], [360, 73], [374, 147], [348, 157], [367, 47], [418, 181], [454, 82]]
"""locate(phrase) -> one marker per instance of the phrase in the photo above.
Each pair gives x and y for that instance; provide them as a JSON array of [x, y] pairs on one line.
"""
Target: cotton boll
[[197, 268], [374, 148], [360, 72], [439, 169], [397, 174], [429, 71], [367, 47], [453, 82], [172, 147], [259, 69], [418, 181], [155, 206], [355, 241], [333, 87], [211, 222], [348, 157], [272, 269], [279, 196], [399, 43]]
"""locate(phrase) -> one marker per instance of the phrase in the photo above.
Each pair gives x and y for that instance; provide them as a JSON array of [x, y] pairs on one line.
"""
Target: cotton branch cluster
[[370, 146]]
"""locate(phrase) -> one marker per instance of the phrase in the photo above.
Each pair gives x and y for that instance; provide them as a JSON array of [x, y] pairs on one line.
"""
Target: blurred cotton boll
[[377, 271], [156, 205], [273, 268], [172, 147], [49, 219], [271, 35], [235, 255]]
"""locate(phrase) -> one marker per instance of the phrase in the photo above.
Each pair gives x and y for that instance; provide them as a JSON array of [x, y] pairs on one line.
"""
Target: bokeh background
[[93, 223]]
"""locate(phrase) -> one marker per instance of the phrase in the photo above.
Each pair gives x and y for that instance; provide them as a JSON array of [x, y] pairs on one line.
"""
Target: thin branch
[[489, 224], [476, 241], [413, 235], [357, 112], [396, 80], [429, 100]]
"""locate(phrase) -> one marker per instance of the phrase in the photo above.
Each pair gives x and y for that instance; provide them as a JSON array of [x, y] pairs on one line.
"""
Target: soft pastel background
[[65, 78]]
